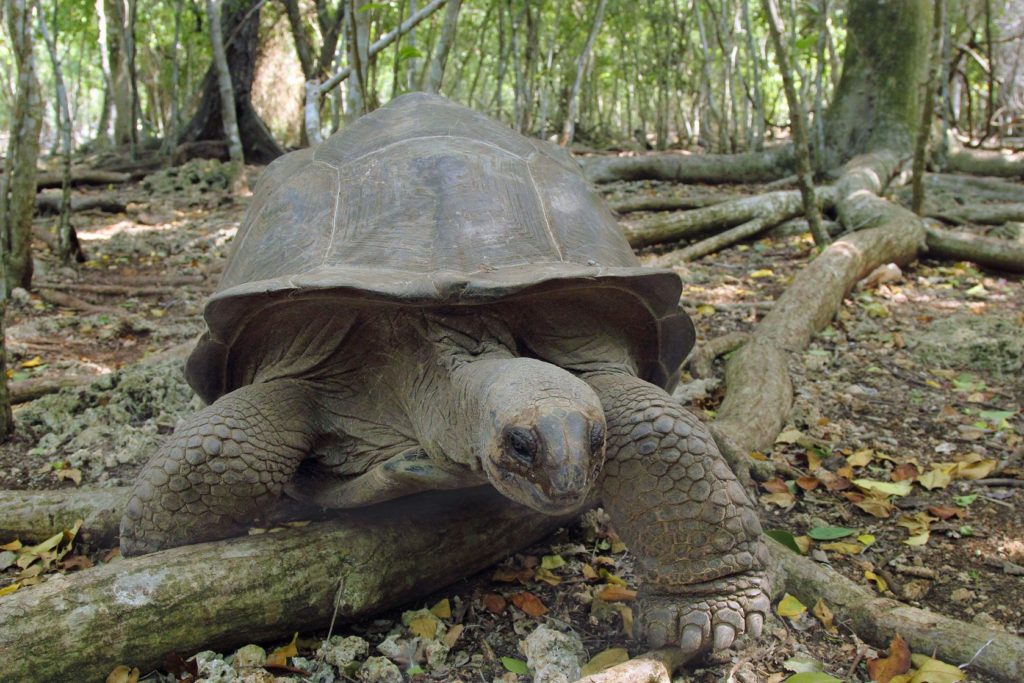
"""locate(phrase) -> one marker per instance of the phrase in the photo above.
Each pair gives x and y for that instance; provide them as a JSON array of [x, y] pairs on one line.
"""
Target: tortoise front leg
[[221, 468], [680, 509]]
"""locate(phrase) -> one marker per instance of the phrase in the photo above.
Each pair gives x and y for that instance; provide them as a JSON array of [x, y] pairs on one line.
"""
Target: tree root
[[248, 589], [985, 214], [50, 204], [23, 391], [988, 252], [985, 162], [774, 207], [73, 302], [664, 202], [705, 353], [752, 167]]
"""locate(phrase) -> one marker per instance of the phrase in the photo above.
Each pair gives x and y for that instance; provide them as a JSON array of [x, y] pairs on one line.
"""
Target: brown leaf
[[775, 485], [452, 636], [510, 575], [279, 657], [75, 562], [824, 615], [529, 603], [123, 674], [947, 511], [808, 483], [904, 472], [615, 593], [882, 670], [494, 603]]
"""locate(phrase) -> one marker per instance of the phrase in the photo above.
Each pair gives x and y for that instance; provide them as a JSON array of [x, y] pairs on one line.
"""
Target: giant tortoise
[[429, 300]]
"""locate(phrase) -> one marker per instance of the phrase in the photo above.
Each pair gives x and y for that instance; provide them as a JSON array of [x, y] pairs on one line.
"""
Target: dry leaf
[[494, 603], [547, 576], [783, 500], [933, 671], [589, 573], [775, 485], [510, 575], [879, 582], [10, 588], [808, 483], [882, 670], [615, 593], [529, 603], [824, 615], [452, 636], [279, 657], [843, 548], [442, 610], [947, 511], [605, 660], [423, 627], [860, 458], [70, 473], [904, 472], [122, 674], [75, 562]]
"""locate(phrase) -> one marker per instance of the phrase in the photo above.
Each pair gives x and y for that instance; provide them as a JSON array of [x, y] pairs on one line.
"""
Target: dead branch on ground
[[751, 167]]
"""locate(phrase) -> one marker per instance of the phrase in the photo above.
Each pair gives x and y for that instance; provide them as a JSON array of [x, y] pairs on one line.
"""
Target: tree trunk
[[924, 128], [226, 594], [798, 124], [220, 62], [569, 125], [752, 167], [65, 233], [240, 19], [444, 45], [17, 201], [876, 102], [358, 26]]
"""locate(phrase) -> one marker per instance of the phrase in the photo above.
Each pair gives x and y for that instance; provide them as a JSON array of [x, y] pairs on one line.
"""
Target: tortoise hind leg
[[220, 468], [680, 509]]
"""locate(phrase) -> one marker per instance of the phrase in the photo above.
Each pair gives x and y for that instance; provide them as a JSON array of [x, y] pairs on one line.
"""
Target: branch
[[751, 167]]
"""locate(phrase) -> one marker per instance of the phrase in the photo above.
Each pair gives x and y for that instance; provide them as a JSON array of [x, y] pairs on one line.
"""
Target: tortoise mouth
[[531, 494]]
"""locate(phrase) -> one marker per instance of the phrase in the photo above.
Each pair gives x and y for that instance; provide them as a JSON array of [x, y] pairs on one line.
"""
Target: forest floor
[[902, 465]]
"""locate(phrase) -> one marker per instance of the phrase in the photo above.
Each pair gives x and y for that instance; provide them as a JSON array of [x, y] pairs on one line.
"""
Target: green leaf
[[830, 533], [998, 418], [812, 677], [370, 6], [965, 501], [552, 562], [806, 43], [516, 666], [408, 52], [785, 538]]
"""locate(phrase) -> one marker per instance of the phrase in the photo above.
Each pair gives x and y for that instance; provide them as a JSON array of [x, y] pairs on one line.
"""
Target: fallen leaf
[[453, 634], [866, 539], [552, 562], [808, 483], [516, 666], [423, 627], [279, 657], [589, 573], [904, 472], [614, 593], [890, 488], [829, 533], [70, 473], [529, 603], [442, 610], [812, 677], [975, 470], [783, 500], [876, 506], [882, 670], [824, 615], [934, 671], [510, 575], [75, 562], [611, 578], [13, 545], [789, 606], [547, 576], [10, 588], [789, 436], [860, 458], [937, 477], [947, 511], [764, 272], [775, 485], [706, 309], [879, 582], [626, 612], [785, 538], [122, 674], [32, 363], [494, 603], [605, 660], [843, 548]]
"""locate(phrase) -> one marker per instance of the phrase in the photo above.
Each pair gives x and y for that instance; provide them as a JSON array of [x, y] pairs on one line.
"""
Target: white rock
[[553, 656], [379, 670], [341, 652]]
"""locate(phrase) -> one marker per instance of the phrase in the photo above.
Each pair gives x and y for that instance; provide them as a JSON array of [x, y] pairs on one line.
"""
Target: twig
[[980, 650], [1000, 482]]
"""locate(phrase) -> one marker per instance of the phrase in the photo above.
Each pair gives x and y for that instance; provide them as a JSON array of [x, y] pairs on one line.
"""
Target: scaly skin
[[222, 467], [680, 509]]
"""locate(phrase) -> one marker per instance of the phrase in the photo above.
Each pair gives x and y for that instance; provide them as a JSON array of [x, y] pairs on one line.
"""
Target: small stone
[[379, 670], [961, 595], [213, 669], [20, 296], [249, 657], [341, 652], [436, 653], [553, 656]]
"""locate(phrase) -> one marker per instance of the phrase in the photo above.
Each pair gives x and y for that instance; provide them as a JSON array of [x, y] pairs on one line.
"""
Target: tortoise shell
[[426, 203]]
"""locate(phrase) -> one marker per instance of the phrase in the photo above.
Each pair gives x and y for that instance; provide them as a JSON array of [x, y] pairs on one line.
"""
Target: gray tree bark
[[444, 45], [227, 98], [569, 125]]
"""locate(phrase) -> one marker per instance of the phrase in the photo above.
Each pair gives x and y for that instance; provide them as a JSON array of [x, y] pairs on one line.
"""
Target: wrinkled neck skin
[[535, 430]]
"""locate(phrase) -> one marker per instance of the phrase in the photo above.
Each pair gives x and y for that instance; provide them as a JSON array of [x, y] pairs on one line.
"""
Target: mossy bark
[[876, 104]]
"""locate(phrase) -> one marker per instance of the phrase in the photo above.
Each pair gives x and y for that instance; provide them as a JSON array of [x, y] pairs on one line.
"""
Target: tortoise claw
[[701, 623]]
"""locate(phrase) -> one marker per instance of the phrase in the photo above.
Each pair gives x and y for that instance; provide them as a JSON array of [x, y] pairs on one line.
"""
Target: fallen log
[[34, 516], [984, 214], [25, 390], [73, 302], [988, 252], [751, 167], [82, 176], [226, 594], [49, 204]]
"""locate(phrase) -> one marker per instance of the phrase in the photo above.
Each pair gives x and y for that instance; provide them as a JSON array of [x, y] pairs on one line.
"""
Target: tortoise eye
[[596, 438], [521, 444]]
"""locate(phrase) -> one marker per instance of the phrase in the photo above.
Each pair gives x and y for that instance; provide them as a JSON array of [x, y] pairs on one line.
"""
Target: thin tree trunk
[[444, 45], [927, 110], [227, 97], [358, 26], [171, 135], [568, 126], [798, 122], [64, 229], [17, 202], [755, 63]]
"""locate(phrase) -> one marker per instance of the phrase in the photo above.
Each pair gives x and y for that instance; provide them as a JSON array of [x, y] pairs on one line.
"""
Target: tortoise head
[[542, 436]]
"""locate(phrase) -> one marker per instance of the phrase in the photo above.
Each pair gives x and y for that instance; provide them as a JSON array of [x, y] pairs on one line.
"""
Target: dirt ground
[[916, 388]]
